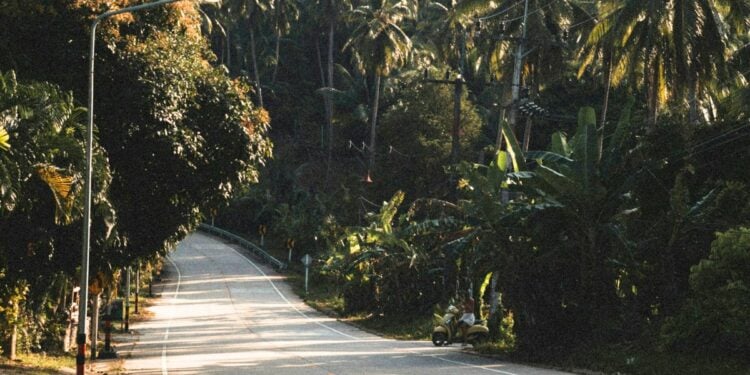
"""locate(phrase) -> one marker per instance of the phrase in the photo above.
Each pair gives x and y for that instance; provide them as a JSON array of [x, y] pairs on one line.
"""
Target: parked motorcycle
[[448, 331]]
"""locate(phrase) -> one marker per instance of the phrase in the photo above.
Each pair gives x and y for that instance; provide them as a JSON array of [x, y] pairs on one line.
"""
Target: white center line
[[164, 370]]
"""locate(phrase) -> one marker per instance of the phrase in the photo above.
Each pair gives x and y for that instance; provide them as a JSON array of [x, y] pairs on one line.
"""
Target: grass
[[323, 296], [495, 349], [635, 359], [414, 329], [37, 363]]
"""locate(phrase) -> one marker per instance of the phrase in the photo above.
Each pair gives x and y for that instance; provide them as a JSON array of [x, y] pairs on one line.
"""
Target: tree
[[251, 12], [379, 46], [286, 11], [668, 49], [41, 173], [414, 132], [329, 13], [198, 137], [715, 317]]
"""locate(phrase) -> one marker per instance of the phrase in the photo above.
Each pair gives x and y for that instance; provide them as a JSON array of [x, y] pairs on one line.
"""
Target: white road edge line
[[342, 333], [289, 302], [164, 370], [470, 365]]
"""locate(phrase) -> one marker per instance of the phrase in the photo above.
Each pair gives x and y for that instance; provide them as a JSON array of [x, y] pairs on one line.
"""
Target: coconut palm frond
[[4, 138]]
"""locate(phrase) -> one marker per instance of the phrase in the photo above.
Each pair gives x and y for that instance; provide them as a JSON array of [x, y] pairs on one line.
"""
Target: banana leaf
[[514, 149]]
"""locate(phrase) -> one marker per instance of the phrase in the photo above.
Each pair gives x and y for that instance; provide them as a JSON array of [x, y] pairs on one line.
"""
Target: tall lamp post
[[84, 293]]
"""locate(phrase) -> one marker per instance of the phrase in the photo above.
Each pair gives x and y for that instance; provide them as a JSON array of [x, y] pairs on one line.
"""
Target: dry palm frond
[[60, 185]]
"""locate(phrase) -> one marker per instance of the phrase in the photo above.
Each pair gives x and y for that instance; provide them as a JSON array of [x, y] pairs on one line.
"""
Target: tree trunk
[[258, 89], [127, 299], [13, 341], [320, 67], [494, 317], [653, 92], [95, 325], [138, 284], [456, 131], [68, 334], [276, 57], [693, 100], [373, 126], [605, 106], [527, 134], [329, 102], [229, 53], [278, 41]]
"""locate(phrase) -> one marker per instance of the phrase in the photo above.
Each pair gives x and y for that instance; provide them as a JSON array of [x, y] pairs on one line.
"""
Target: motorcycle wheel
[[439, 338]]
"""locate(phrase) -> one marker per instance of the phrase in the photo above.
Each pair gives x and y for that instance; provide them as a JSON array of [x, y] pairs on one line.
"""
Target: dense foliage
[[568, 162], [42, 191], [177, 137], [588, 240]]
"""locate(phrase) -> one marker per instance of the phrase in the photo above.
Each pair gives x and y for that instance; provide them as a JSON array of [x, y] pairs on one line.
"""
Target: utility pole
[[138, 283], [516, 86], [86, 240], [458, 86], [127, 299]]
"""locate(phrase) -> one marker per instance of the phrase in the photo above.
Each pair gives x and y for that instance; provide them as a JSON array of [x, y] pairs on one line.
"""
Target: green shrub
[[359, 296], [717, 316]]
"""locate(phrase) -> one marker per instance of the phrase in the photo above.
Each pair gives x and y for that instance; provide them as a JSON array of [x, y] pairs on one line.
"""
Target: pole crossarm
[[445, 81]]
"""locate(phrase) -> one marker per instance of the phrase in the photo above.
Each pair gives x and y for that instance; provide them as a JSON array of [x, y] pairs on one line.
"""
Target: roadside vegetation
[[588, 224], [592, 194], [37, 363], [175, 136]]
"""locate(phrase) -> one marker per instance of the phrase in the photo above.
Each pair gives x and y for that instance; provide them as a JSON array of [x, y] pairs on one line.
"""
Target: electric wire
[[537, 10], [503, 11]]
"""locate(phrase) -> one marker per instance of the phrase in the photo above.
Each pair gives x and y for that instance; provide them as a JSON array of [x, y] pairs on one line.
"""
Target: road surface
[[222, 313]]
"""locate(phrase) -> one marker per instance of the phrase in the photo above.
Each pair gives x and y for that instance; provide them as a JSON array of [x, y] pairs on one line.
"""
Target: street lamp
[[81, 337]]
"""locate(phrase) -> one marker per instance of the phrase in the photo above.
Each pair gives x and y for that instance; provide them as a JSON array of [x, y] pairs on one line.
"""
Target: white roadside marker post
[[307, 261]]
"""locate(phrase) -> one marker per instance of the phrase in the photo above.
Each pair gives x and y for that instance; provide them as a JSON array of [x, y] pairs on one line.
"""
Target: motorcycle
[[447, 331]]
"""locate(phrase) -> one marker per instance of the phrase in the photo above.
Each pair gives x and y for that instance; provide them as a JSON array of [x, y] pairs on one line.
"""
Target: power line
[[723, 142], [500, 13], [591, 18], [537, 10]]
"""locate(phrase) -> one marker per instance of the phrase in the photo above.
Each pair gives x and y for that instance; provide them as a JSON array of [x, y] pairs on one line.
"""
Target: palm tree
[[444, 30], [328, 13], [285, 12], [546, 43], [379, 46], [670, 49], [255, 10], [251, 12]]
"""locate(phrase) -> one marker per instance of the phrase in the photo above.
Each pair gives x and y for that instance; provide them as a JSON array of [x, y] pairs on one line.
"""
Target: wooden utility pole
[[518, 66], [127, 299], [458, 86], [138, 285]]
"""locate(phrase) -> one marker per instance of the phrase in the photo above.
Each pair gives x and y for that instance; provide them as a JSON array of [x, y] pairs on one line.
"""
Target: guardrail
[[253, 248]]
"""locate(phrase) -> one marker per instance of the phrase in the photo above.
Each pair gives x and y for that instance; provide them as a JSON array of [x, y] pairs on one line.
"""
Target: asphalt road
[[221, 313]]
